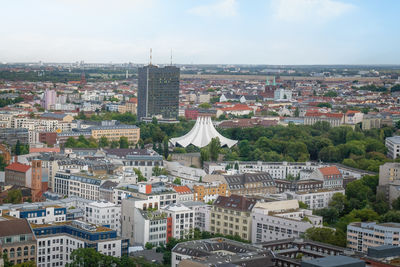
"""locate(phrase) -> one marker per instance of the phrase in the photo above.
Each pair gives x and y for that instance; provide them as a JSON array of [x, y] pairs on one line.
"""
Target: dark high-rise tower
[[158, 92]]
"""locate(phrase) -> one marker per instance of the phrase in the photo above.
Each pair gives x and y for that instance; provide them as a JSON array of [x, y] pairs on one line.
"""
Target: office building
[[158, 92], [182, 220], [104, 213], [363, 235], [393, 146], [57, 241], [316, 199]]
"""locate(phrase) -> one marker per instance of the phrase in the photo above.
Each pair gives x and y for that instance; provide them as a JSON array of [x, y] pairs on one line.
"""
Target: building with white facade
[[105, 214], [41, 215], [331, 176], [393, 146], [363, 235], [282, 94], [182, 219], [56, 242], [316, 199], [77, 184], [281, 220], [202, 214]]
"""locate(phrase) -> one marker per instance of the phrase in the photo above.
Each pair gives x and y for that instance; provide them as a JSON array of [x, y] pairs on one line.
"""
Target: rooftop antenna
[[171, 57], [151, 57]]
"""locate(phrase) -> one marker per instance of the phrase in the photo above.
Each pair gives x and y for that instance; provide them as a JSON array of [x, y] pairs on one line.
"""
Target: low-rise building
[[219, 252], [40, 215], [183, 192], [334, 119], [210, 191], [363, 235], [317, 199], [281, 220]]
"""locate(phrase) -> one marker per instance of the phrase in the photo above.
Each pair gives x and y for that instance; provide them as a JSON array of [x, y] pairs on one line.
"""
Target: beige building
[[113, 133], [389, 181], [17, 241], [232, 216], [210, 191]]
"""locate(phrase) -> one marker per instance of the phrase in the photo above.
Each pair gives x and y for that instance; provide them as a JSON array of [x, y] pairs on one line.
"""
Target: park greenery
[[361, 203], [363, 149]]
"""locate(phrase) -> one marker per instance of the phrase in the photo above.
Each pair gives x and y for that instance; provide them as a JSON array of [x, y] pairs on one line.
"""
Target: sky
[[272, 32]]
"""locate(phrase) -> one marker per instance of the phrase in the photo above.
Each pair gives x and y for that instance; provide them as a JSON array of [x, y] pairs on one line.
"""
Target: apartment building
[[104, 213], [183, 192], [281, 220], [142, 159], [363, 235], [57, 241], [232, 216], [182, 220], [146, 226], [389, 181], [331, 176], [149, 195], [251, 183], [316, 199], [202, 214], [210, 191], [114, 132], [393, 146], [77, 184], [17, 241]]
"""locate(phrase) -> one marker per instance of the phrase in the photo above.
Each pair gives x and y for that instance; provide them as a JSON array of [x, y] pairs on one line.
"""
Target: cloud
[[222, 8], [309, 10]]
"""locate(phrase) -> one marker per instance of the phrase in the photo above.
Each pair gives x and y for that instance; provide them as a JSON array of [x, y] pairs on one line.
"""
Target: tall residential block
[[158, 92]]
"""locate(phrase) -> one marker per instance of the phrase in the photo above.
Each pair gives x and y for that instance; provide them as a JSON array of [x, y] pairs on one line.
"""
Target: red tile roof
[[237, 107], [18, 167], [332, 170], [44, 149], [182, 189]]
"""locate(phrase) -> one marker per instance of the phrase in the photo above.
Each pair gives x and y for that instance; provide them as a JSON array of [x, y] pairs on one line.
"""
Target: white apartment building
[[317, 199], [281, 220], [182, 219], [104, 213], [362, 235], [202, 214], [149, 227], [393, 146], [73, 184]]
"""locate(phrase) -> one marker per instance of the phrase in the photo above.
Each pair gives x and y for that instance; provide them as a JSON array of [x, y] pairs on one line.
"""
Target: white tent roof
[[201, 134]]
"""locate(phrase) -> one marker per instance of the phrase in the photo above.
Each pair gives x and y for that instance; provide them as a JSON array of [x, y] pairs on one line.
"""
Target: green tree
[[205, 105], [326, 235], [103, 142], [165, 148], [396, 204], [303, 205], [140, 176], [391, 216], [114, 144], [148, 245], [214, 148], [18, 148], [204, 155], [123, 142], [14, 196], [177, 181]]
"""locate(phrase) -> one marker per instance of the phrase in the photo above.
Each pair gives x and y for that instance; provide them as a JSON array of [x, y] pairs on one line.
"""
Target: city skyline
[[276, 32]]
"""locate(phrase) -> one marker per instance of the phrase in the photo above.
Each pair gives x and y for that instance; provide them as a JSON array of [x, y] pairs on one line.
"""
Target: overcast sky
[[201, 31]]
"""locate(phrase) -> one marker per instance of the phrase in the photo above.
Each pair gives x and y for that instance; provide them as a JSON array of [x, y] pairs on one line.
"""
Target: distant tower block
[[127, 75]]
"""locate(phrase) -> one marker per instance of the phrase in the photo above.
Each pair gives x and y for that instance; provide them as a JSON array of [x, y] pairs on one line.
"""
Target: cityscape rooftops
[[14, 227]]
